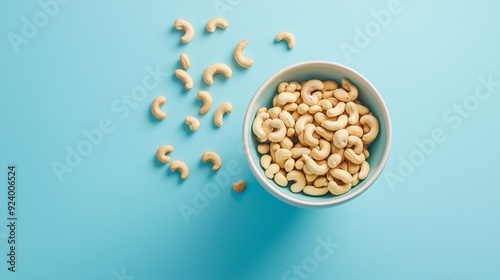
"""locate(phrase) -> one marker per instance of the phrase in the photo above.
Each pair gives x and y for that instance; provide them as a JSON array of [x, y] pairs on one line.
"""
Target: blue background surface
[[116, 214]]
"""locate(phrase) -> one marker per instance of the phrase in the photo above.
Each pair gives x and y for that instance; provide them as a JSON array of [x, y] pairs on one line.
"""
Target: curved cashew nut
[[288, 37], [355, 179], [216, 22], [353, 157], [299, 178], [327, 134], [177, 165], [240, 186], [372, 123], [181, 24], [219, 113], [162, 151], [352, 110], [334, 160], [353, 168], [308, 135], [291, 107], [239, 57], [321, 152], [335, 189], [265, 161], [272, 170], [301, 122], [257, 125], [193, 123], [340, 138], [352, 89], [185, 78], [308, 88], [330, 85], [315, 109], [363, 172], [207, 101], [356, 142], [261, 110], [287, 118], [362, 109], [337, 110], [286, 143], [366, 152], [354, 130], [341, 175], [186, 63], [281, 156], [155, 107], [303, 108], [313, 191], [340, 123], [320, 182], [280, 133], [213, 158], [286, 97], [222, 68], [314, 167], [325, 104]]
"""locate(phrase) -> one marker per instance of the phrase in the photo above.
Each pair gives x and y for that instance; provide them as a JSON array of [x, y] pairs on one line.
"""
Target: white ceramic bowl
[[323, 70]]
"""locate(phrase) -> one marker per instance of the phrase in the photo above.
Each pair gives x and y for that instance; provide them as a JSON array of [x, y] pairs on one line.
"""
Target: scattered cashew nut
[[193, 123], [181, 24], [239, 57], [222, 68], [155, 107], [213, 158], [285, 35], [240, 186], [177, 165], [207, 101], [219, 113], [186, 63], [162, 151], [184, 77], [216, 22]]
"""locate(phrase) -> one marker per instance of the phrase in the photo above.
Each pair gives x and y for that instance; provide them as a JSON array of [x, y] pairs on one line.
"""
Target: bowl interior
[[323, 71]]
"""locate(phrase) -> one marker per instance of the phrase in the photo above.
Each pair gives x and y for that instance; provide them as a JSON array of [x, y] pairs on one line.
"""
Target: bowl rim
[[272, 189]]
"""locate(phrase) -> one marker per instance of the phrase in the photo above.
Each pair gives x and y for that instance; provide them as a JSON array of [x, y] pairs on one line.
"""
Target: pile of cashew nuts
[[208, 76], [316, 135]]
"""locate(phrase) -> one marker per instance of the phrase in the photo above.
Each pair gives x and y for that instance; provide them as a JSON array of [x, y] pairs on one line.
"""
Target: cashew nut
[[340, 123], [288, 37], [281, 156], [181, 24], [287, 118], [280, 179], [340, 138], [308, 88], [301, 122], [222, 68], [327, 134], [320, 182], [265, 161], [274, 112], [263, 148], [193, 123], [272, 170], [315, 167], [240, 186], [185, 78], [352, 89], [299, 178], [355, 179], [285, 97], [280, 133], [186, 63], [303, 108], [362, 109], [363, 172], [239, 57], [286, 143], [313, 191], [352, 110], [315, 109], [325, 104], [207, 101], [354, 130], [291, 107], [336, 189], [177, 165], [337, 110], [356, 142], [289, 164], [341, 175], [257, 125], [213, 158], [308, 135], [216, 22], [321, 152], [155, 107], [219, 113], [372, 123], [353, 157], [353, 168], [162, 151], [299, 151]]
